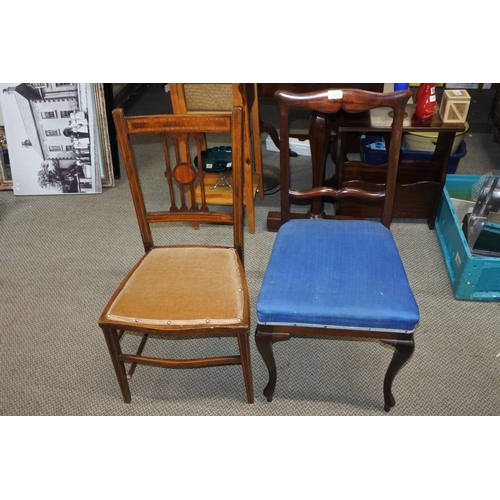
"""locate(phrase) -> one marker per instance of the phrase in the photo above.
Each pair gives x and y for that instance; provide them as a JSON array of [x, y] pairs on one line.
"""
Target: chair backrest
[[196, 97], [185, 179], [325, 104], [221, 97]]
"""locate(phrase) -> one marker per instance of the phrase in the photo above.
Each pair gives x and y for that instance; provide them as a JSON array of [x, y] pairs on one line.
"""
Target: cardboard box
[[471, 86], [302, 148], [454, 106]]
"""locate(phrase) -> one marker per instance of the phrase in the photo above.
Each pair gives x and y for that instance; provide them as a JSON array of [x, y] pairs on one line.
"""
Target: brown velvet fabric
[[182, 286]]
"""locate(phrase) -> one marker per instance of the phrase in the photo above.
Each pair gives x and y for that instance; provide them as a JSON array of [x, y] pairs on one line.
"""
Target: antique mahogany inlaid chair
[[214, 97], [170, 291], [333, 277]]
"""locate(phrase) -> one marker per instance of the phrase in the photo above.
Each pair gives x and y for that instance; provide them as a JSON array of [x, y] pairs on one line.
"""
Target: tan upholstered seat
[[145, 296]]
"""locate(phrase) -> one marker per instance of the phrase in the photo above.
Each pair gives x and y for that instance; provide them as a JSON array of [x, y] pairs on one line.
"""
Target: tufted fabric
[[337, 273], [182, 286]]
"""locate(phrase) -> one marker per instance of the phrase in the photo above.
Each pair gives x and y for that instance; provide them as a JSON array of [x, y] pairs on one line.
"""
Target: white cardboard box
[[485, 86], [302, 148]]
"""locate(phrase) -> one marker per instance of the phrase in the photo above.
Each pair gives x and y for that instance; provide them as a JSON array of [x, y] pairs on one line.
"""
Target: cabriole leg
[[403, 352], [264, 342]]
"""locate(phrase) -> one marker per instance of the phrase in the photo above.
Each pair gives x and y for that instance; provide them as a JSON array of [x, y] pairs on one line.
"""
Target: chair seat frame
[[267, 335]]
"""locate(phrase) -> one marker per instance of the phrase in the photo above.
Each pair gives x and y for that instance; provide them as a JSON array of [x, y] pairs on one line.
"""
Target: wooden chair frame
[[245, 96], [178, 126]]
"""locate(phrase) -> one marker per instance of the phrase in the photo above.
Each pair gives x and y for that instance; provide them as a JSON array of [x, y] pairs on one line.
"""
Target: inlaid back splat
[[187, 134], [183, 177]]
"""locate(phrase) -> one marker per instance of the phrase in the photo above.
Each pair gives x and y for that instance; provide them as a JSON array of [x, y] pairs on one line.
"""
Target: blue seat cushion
[[337, 274]]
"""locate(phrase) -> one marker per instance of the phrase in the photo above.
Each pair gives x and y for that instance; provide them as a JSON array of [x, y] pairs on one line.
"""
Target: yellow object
[[426, 141]]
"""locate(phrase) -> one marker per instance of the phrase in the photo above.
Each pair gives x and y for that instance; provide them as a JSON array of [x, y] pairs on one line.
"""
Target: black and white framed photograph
[[54, 135]]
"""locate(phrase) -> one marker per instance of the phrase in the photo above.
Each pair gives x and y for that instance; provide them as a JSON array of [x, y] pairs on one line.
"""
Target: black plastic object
[[217, 159]]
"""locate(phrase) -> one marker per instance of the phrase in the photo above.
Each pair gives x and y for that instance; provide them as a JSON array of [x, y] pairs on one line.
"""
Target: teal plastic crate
[[473, 277]]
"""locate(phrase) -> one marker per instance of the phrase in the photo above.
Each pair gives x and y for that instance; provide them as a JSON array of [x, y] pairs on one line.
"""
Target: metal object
[[222, 181], [487, 201]]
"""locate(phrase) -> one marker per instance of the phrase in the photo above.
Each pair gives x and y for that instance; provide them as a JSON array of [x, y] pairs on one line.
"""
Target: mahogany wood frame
[[352, 101]]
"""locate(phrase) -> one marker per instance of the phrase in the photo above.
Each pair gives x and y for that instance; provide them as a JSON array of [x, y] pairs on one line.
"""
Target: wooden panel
[[414, 201], [221, 195], [494, 118], [418, 185]]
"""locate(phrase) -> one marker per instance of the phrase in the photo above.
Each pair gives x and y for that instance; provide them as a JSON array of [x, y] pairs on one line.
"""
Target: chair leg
[[403, 352], [248, 197], [256, 141], [113, 343], [264, 342], [244, 345]]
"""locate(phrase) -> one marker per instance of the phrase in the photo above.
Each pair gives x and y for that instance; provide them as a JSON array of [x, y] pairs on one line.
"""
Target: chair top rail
[[350, 100], [202, 122]]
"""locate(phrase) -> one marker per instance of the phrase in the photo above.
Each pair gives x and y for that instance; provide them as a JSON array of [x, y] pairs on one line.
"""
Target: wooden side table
[[419, 185]]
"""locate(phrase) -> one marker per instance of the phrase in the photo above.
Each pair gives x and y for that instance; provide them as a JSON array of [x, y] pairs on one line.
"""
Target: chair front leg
[[403, 352], [244, 345], [113, 342], [264, 342]]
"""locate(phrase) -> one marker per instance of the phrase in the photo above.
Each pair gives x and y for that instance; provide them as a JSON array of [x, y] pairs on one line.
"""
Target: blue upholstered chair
[[326, 276]]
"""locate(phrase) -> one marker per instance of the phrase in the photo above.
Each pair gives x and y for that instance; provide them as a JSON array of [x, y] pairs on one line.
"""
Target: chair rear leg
[[113, 343], [403, 352], [244, 345]]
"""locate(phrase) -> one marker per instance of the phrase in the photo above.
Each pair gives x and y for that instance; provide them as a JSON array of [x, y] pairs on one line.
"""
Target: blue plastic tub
[[379, 156]]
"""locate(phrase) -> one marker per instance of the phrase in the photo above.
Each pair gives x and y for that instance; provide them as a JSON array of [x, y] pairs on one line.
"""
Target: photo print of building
[[52, 136]]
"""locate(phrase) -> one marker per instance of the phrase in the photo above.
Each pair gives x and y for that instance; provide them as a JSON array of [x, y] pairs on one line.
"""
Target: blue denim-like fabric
[[338, 273]]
